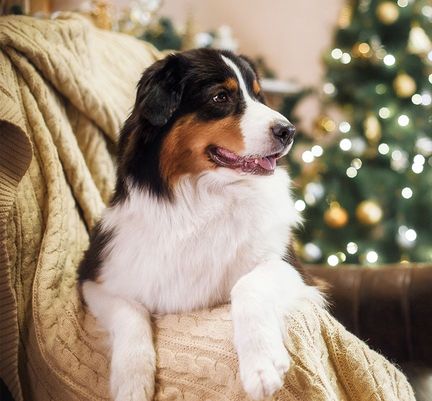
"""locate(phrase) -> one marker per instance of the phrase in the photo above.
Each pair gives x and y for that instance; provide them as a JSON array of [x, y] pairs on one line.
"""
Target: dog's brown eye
[[221, 97]]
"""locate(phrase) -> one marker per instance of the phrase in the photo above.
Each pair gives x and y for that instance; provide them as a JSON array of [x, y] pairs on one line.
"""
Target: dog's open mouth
[[256, 164]]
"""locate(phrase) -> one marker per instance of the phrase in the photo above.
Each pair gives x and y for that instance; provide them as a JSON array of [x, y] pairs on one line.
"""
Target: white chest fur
[[187, 254]]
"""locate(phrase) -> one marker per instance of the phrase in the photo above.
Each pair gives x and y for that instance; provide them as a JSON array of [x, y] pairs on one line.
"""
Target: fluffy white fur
[[222, 239]]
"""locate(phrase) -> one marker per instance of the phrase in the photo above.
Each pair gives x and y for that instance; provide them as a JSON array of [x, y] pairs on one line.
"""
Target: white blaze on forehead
[[257, 119], [239, 76]]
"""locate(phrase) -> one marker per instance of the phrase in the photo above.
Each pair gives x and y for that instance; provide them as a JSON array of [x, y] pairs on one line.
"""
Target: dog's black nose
[[284, 132]]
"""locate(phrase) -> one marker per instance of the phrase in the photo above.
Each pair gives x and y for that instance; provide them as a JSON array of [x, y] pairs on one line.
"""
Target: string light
[[336, 53], [403, 120], [351, 172], [380, 89], [346, 58], [333, 260], [430, 55], [430, 78], [329, 88], [407, 193], [416, 99], [307, 156], [424, 146], [344, 127], [345, 144], [419, 159], [402, 3], [300, 205], [383, 148], [312, 252], [356, 163], [426, 99], [341, 256], [358, 146], [384, 112], [427, 11], [317, 151], [417, 168], [406, 237], [352, 248], [371, 257], [389, 60]]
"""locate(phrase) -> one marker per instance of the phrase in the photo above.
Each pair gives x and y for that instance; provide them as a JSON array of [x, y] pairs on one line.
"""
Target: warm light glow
[[407, 193], [371, 257], [351, 172], [384, 112], [356, 163], [417, 168], [317, 150], [336, 53], [346, 58], [300, 205], [389, 60], [426, 99], [383, 148], [333, 260], [419, 159], [352, 248], [344, 127], [416, 99], [329, 88], [410, 235], [307, 156], [403, 120], [402, 3], [345, 144], [363, 48]]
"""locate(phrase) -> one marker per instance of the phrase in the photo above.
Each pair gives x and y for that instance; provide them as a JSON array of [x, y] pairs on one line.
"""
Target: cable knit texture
[[65, 88]]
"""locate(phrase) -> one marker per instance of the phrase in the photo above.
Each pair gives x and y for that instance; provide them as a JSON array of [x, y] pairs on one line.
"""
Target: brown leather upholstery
[[389, 307]]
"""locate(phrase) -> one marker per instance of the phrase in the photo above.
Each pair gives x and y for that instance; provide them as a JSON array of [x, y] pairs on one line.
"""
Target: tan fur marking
[[184, 150], [231, 84], [256, 87]]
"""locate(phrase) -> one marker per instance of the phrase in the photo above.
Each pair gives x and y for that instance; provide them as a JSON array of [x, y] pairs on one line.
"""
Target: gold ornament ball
[[387, 12], [369, 213], [336, 216], [404, 85]]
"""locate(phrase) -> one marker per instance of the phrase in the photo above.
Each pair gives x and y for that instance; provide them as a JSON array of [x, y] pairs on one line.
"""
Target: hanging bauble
[[372, 128], [404, 85], [387, 12], [418, 41], [369, 212], [336, 216]]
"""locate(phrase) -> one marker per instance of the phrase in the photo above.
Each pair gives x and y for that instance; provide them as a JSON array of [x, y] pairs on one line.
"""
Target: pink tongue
[[267, 163]]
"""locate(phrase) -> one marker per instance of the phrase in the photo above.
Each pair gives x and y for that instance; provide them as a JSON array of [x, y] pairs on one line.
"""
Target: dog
[[201, 215]]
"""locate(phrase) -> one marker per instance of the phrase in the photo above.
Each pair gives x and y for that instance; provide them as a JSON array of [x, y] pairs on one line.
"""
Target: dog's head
[[197, 112]]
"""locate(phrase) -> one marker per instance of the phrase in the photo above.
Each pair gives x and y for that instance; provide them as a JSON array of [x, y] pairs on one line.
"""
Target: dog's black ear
[[160, 90]]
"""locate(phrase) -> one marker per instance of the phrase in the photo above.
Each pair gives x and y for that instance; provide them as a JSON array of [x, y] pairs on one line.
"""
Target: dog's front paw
[[262, 373], [132, 377]]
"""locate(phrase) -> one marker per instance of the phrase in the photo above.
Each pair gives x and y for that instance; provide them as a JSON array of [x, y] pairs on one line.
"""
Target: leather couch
[[390, 308]]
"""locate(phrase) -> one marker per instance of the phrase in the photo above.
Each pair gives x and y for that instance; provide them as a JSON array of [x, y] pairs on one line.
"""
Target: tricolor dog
[[201, 215]]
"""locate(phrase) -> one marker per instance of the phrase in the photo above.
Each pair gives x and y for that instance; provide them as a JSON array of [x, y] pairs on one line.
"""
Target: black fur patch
[[92, 261]]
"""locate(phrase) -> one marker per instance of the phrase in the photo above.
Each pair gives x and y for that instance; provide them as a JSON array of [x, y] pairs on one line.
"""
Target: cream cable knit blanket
[[65, 89]]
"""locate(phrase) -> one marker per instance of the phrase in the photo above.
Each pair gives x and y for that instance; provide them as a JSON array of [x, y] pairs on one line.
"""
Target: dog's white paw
[[262, 373], [132, 378]]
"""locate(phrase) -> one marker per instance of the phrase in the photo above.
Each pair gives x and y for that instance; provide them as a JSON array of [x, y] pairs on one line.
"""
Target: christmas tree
[[365, 180]]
